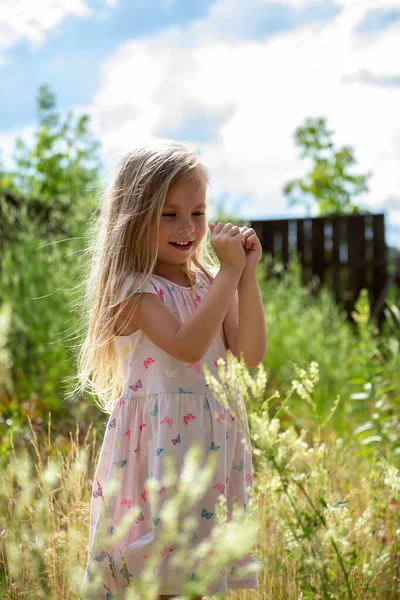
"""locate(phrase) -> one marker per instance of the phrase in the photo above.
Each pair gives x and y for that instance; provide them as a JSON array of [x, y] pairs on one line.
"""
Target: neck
[[172, 272]]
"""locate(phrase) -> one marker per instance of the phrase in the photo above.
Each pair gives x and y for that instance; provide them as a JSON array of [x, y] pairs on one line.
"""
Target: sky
[[230, 79]]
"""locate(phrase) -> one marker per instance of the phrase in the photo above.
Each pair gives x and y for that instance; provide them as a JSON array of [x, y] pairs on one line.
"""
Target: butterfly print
[[149, 361], [136, 386], [171, 374], [100, 557], [214, 447], [197, 299], [167, 420], [249, 478], [159, 450], [140, 518], [121, 401], [141, 426], [166, 549], [220, 487], [193, 538], [160, 292], [176, 440], [131, 291], [188, 418], [127, 502], [182, 391], [156, 521], [240, 466], [154, 410], [98, 492], [124, 572], [145, 495], [206, 514], [221, 418], [111, 424], [120, 463], [194, 366], [162, 491]]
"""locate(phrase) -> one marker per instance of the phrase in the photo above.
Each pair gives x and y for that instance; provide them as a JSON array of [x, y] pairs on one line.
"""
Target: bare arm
[[244, 324], [187, 341]]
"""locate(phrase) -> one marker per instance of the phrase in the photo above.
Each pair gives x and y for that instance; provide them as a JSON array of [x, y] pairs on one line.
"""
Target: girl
[[161, 315]]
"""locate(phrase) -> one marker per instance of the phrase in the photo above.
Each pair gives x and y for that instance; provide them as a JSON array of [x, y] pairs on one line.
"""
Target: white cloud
[[269, 86], [27, 20], [264, 89]]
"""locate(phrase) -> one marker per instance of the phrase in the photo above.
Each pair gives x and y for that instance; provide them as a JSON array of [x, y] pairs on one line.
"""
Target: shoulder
[[134, 284]]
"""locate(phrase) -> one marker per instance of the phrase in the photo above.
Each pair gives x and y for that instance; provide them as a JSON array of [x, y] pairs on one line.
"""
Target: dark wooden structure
[[346, 252]]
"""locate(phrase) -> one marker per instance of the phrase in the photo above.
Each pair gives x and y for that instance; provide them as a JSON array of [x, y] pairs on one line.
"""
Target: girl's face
[[183, 219]]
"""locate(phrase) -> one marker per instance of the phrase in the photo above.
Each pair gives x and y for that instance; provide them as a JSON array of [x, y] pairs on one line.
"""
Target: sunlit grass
[[328, 517]]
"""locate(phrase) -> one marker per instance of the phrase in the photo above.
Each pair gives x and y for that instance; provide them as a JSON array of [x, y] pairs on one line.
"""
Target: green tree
[[330, 182], [46, 203]]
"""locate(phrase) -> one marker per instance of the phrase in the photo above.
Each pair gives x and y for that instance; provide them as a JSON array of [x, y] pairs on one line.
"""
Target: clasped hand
[[236, 247]]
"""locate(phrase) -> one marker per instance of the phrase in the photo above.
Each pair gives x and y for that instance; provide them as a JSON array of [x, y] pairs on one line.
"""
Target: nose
[[185, 225]]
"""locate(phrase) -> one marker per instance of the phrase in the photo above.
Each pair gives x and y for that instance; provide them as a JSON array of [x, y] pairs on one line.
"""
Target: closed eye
[[174, 214]]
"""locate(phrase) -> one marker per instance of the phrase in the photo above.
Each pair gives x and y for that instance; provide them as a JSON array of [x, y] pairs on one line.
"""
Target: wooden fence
[[346, 252]]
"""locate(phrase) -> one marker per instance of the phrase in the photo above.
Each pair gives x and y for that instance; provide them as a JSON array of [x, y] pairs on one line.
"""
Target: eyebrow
[[202, 205]]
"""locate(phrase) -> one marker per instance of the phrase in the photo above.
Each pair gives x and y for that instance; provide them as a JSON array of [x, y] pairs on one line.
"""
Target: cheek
[[201, 229], [164, 231]]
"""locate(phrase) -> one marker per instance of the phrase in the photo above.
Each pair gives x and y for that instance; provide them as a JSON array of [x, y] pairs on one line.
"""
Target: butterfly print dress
[[165, 408]]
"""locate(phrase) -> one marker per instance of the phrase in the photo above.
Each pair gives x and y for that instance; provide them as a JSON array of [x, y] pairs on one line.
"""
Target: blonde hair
[[121, 244]]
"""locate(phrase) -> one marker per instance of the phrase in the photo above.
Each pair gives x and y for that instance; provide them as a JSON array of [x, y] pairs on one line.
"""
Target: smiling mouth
[[182, 246]]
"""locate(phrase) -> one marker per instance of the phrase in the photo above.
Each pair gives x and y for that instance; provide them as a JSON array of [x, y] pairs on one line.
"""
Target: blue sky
[[230, 78], [72, 54]]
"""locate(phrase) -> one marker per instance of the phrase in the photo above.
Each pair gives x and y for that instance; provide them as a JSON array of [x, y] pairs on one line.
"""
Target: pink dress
[[166, 407]]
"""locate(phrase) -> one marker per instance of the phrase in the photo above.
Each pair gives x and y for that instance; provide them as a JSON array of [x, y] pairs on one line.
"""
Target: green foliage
[[45, 206], [376, 375], [358, 364], [330, 183]]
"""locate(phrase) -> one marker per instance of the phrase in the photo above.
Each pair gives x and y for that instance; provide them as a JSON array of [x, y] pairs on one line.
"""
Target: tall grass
[[324, 429]]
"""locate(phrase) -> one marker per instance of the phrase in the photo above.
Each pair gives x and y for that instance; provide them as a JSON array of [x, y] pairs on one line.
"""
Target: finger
[[226, 227], [249, 232], [251, 240], [234, 230], [218, 227], [238, 237]]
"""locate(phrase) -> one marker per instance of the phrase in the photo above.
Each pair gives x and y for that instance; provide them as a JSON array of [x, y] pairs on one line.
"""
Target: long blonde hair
[[122, 244]]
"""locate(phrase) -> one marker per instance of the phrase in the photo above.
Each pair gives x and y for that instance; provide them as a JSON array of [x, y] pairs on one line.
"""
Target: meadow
[[324, 424]]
